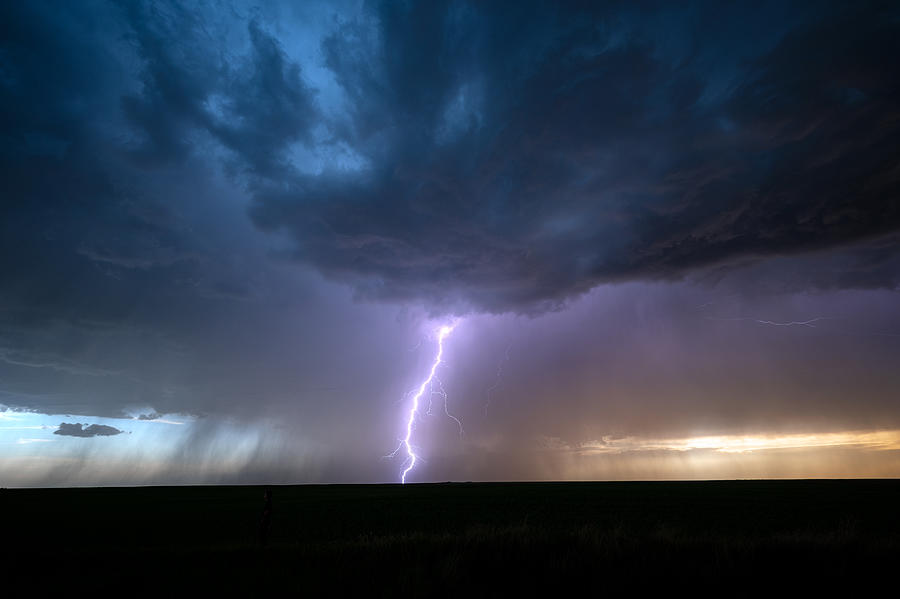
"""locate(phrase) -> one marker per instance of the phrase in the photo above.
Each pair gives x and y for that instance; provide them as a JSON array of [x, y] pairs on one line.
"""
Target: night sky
[[667, 235]]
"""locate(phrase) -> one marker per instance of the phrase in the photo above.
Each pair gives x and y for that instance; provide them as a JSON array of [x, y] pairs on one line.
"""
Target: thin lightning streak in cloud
[[793, 323], [406, 442], [499, 378], [807, 324], [800, 323]]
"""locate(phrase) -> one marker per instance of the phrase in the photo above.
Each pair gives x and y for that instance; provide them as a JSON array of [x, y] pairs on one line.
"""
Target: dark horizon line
[[467, 482]]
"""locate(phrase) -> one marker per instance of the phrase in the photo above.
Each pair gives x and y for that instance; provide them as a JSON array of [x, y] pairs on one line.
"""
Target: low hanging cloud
[[92, 430]]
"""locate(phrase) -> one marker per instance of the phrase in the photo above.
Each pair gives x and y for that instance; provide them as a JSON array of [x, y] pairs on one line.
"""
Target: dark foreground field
[[500, 539]]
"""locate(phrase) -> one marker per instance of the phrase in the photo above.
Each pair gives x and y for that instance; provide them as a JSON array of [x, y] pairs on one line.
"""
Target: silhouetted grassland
[[493, 539]]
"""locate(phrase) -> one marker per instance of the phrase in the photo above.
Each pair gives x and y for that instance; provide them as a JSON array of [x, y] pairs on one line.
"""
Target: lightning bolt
[[411, 459]]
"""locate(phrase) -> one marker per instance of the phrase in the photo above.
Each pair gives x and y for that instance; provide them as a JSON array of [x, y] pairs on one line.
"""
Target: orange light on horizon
[[874, 440]]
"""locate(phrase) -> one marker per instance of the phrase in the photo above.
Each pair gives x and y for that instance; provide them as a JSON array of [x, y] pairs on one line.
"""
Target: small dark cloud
[[153, 416], [93, 430]]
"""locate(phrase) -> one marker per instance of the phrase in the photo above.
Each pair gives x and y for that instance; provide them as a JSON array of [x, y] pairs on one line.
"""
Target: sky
[[666, 238]]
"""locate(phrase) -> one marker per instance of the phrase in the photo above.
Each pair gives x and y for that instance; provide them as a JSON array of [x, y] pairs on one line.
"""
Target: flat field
[[455, 539]]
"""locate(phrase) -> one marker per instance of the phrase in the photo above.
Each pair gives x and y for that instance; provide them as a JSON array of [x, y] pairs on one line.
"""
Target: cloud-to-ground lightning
[[443, 393], [442, 333]]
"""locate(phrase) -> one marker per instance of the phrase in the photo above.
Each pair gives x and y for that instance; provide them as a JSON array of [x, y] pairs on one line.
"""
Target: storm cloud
[[253, 216], [510, 179], [478, 157]]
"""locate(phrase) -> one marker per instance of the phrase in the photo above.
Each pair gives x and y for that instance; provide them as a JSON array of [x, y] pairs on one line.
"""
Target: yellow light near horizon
[[741, 444], [875, 440]]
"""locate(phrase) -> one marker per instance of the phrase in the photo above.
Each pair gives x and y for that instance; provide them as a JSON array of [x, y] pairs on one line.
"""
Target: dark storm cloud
[[102, 108], [461, 156], [492, 159], [93, 430], [254, 105], [116, 243], [513, 161], [76, 221]]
